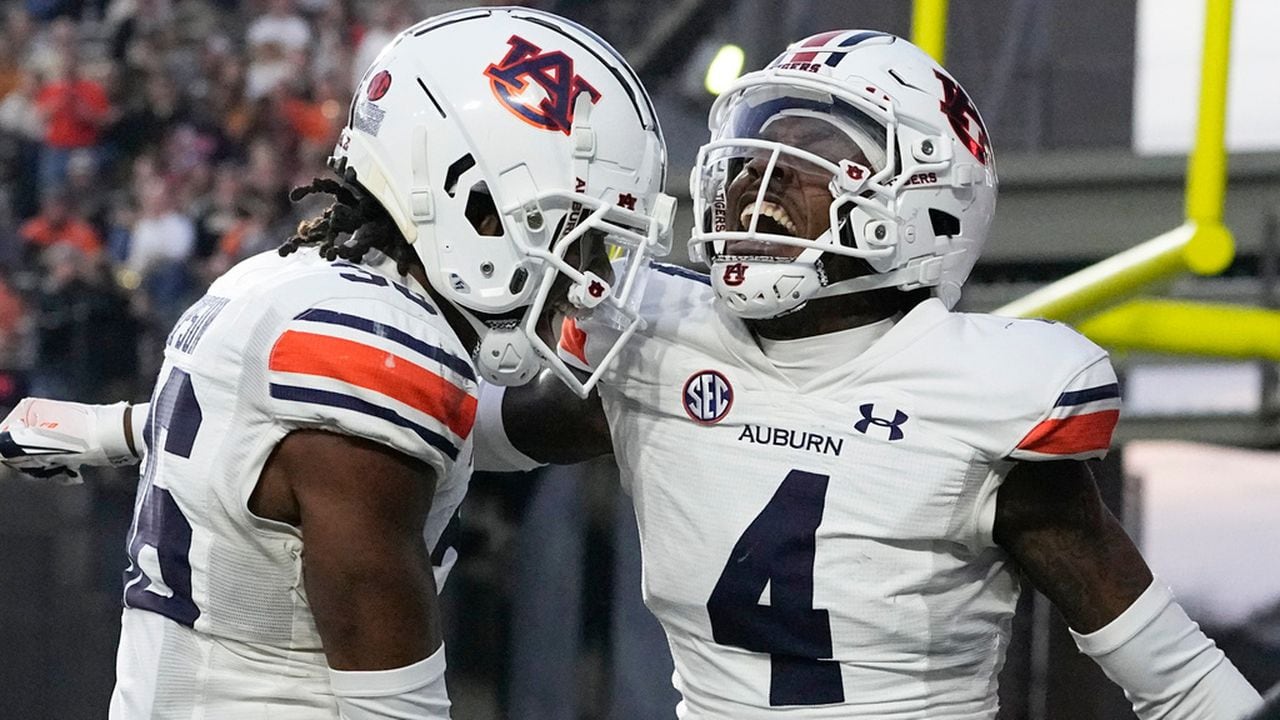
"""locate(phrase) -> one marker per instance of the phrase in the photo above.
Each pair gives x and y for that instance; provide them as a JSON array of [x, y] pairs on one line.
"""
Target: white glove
[[53, 438]]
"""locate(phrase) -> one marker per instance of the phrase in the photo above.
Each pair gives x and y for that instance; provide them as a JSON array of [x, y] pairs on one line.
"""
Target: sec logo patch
[[707, 397]]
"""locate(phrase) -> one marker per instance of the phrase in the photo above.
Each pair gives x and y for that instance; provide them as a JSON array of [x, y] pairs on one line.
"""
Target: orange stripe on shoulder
[[573, 340], [1072, 435], [377, 370]]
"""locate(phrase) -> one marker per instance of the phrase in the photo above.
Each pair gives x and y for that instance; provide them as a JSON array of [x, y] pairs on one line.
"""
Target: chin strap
[[762, 290], [504, 356]]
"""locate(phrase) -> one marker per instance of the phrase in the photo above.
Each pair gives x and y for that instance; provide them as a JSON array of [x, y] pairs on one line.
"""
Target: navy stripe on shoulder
[[347, 402], [444, 357], [678, 271], [1088, 395]]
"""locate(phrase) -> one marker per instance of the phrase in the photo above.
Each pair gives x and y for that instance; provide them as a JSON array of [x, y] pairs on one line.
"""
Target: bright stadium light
[[725, 67]]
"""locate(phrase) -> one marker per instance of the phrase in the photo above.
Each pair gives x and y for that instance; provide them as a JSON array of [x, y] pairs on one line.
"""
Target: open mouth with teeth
[[773, 219]]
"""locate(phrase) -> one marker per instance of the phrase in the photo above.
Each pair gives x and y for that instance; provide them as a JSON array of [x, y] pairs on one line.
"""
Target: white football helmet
[[913, 187], [531, 115]]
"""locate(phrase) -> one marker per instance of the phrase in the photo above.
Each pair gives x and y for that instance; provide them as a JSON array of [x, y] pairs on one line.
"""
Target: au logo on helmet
[[964, 118], [735, 274], [526, 65]]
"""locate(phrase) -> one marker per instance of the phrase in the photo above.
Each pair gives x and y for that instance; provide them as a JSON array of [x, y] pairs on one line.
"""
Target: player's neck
[[828, 315]]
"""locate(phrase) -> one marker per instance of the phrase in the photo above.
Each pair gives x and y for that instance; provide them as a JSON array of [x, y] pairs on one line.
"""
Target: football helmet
[[527, 117], [898, 145]]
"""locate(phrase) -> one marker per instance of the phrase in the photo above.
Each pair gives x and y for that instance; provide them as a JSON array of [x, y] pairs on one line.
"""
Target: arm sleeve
[[583, 343], [1167, 667], [361, 375], [494, 451]]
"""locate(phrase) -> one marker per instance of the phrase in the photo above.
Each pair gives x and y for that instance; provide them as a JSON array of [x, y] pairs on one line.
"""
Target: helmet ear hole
[[846, 235], [482, 213], [944, 223]]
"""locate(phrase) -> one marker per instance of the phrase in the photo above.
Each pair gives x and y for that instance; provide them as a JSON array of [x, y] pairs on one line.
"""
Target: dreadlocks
[[355, 213]]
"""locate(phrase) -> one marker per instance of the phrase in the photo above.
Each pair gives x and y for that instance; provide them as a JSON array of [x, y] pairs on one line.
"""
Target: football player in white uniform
[[310, 434], [837, 479]]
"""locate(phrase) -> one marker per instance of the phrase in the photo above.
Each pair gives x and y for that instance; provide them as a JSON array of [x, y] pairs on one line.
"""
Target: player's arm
[[1051, 520], [54, 438], [540, 423], [361, 508]]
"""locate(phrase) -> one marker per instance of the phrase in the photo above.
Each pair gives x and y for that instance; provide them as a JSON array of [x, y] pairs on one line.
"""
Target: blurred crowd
[[148, 145], [145, 147]]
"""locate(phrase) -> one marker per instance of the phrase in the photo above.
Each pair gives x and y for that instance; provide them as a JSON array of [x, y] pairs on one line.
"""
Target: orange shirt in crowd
[[74, 111], [310, 121], [80, 234], [10, 316]]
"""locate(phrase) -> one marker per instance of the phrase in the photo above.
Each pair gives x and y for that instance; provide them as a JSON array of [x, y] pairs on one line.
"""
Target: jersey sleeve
[[1081, 420], [669, 294], [358, 372], [583, 343]]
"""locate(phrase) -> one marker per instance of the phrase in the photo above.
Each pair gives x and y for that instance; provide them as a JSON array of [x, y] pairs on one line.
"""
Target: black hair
[[353, 212]]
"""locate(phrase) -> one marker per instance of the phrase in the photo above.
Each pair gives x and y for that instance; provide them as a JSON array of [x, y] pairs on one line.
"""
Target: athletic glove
[[53, 439]]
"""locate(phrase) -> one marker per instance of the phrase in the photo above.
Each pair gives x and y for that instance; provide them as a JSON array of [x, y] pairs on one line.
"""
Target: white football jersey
[[277, 345], [824, 549]]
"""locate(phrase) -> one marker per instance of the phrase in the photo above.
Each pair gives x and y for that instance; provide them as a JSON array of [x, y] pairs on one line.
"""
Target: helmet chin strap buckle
[[589, 292], [506, 357]]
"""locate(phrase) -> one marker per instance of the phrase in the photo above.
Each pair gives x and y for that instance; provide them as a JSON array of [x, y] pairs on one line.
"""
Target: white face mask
[[781, 176]]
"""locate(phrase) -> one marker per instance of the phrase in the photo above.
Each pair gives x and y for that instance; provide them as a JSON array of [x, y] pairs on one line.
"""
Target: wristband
[[1165, 664], [109, 428]]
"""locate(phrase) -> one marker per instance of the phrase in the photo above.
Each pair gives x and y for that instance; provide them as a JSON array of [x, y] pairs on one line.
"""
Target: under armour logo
[[627, 201], [735, 274], [595, 289], [868, 419], [855, 172]]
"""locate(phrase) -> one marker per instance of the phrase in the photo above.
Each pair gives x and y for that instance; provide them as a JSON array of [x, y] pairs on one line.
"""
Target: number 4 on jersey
[[777, 551]]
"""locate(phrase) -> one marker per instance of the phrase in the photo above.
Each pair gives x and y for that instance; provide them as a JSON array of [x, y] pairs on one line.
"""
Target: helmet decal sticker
[[379, 85], [808, 60], [959, 111], [720, 211], [368, 117], [735, 274], [552, 73]]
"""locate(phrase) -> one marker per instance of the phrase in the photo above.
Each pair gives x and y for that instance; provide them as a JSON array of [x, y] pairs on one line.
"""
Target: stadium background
[[170, 159]]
